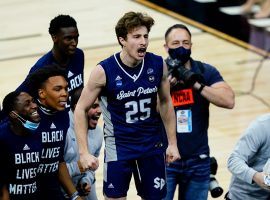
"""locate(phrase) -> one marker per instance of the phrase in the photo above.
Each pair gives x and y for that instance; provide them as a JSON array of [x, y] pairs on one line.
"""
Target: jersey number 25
[[134, 107]]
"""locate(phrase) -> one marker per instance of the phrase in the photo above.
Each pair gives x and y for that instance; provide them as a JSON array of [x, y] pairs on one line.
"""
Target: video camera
[[214, 188], [177, 70]]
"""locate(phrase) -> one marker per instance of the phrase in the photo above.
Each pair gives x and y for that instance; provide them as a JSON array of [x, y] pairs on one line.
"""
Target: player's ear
[[122, 41], [166, 47], [54, 37], [41, 94]]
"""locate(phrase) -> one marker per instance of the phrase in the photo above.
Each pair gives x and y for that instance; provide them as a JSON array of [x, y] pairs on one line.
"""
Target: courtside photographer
[[194, 85]]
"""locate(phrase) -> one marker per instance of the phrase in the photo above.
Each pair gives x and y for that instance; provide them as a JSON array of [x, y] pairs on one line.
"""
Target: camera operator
[[194, 85]]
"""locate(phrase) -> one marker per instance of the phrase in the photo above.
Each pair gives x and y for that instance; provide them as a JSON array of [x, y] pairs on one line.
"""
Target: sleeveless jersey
[[132, 126]]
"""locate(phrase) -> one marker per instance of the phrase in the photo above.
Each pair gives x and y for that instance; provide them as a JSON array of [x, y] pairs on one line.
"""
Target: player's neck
[[61, 59], [45, 108], [128, 60]]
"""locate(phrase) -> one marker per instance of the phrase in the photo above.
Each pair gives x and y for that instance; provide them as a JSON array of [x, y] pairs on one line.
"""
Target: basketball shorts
[[149, 177]]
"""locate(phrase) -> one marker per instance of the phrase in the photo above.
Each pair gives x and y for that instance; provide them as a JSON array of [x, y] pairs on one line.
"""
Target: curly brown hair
[[132, 20]]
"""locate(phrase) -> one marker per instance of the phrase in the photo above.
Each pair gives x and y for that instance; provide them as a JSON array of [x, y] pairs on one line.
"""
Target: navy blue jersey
[[195, 142], [20, 158], [74, 70], [53, 129], [128, 103]]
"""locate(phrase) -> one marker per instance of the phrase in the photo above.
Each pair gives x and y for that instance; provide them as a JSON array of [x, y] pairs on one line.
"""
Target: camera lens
[[214, 188], [216, 192]]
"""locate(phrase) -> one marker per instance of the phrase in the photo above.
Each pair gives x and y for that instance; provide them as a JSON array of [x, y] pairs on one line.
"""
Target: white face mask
[[32, 126]]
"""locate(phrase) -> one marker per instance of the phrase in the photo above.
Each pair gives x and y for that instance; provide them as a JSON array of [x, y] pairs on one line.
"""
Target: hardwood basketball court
[[24, 38]]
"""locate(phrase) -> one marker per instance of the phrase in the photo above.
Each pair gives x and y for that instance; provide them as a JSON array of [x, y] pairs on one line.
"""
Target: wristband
[[201, 88], [74, 196]]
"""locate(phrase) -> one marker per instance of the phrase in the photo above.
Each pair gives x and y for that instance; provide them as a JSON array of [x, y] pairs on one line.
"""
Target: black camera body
[[214, 188], [178, 70]]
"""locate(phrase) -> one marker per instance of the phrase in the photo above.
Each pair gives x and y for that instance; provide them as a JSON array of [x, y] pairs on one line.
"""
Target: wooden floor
[[24, 38]]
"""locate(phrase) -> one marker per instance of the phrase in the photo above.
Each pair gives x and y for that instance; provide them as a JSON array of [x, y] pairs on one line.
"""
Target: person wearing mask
[[64, 53], [194, 85], [20, 147]]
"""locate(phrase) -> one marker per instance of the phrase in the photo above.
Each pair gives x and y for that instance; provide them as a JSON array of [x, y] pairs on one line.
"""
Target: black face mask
[[182, 54]]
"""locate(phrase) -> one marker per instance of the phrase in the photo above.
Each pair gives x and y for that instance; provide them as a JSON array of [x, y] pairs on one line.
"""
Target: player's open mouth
[[63, 103], [95, 117], [141, 51], [35, 116]]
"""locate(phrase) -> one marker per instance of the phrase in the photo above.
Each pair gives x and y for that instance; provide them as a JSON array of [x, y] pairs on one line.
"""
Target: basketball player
[[128, 84], [48, 85], [20, 147], [64, 33]]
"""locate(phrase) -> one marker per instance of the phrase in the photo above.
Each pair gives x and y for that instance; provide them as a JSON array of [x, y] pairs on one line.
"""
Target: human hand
[[88, 161], [172, 154], [4, 193], [172, 80], [83, 188], [188, 77], [259, 179]]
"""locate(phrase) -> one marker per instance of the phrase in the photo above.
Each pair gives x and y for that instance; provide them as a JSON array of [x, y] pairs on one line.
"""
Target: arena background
[[24, 38]]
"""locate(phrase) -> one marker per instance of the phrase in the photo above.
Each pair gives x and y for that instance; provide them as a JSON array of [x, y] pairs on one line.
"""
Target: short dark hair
[[37, 79], [9, 102], [182, 26], [130, 21], [61, 21], [75, 97]]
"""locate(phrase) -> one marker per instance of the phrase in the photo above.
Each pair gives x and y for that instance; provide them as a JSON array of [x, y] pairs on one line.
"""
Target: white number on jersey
[[134, 107]]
